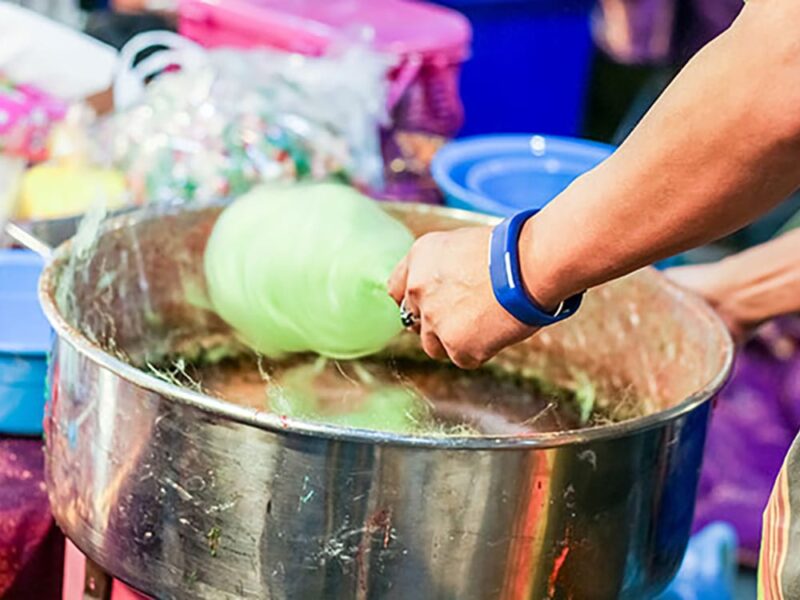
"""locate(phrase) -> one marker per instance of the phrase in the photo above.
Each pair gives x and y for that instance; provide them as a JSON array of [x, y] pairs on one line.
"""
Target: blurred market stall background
[[486, 105]]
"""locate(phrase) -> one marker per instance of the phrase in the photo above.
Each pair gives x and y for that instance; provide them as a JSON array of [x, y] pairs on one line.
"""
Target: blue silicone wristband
[[504, 271]]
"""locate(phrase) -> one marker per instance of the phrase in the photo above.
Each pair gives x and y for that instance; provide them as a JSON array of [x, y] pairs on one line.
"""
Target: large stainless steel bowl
[[183, 495], [52, 232], [55, 231]]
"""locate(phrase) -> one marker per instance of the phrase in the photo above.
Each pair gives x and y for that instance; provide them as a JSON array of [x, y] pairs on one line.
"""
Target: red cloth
[[31, 547]]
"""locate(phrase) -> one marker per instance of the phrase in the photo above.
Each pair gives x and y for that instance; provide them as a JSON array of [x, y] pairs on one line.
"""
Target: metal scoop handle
[[30, 241]]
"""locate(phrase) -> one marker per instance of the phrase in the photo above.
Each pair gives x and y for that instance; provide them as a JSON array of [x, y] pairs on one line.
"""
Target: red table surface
[[31, 546]]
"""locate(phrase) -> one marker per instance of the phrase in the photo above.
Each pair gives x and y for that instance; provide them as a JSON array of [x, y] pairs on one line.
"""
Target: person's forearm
[[759, 284], [720, 147]]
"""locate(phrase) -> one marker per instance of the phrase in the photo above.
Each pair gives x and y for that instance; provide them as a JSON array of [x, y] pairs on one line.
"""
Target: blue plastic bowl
[[25, 339], [503, 174]]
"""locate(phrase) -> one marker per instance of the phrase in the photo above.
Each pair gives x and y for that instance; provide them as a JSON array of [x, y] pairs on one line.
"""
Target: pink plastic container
[[429, 42]]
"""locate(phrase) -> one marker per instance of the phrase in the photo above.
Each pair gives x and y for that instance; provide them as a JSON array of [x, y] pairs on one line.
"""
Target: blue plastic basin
[[25, 339], [503, 174]]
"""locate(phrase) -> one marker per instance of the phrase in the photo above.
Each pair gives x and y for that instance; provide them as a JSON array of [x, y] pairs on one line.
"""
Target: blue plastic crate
[[25, 339]]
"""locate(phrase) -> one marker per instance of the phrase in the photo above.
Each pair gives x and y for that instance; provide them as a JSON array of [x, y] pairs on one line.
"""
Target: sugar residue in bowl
[[397, 395]]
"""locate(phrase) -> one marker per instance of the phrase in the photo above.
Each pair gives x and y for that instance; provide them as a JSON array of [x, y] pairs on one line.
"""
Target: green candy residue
[[303, 268], [374, 406]]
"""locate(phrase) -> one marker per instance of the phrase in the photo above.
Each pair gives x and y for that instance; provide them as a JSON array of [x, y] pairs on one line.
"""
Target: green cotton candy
[[303, 268], [377, 407]]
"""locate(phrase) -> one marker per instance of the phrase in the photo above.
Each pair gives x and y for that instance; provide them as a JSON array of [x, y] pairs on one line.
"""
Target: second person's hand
[[710, 282]]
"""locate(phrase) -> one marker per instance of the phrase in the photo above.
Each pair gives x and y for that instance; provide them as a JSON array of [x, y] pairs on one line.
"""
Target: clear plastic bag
[[212, 124]]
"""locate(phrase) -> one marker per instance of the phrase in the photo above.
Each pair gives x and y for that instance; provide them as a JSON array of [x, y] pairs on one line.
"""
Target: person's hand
[[751, 287], [715, 284], [444, 281]]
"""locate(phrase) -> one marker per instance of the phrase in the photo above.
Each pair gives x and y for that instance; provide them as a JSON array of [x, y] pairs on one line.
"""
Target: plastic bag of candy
[[197, 125]]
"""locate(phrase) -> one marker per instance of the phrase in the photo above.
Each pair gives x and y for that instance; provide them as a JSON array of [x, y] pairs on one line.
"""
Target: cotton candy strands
[[303, 268]]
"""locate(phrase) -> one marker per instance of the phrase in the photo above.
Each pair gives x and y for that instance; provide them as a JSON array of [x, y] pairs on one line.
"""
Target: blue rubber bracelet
[[504, 271]]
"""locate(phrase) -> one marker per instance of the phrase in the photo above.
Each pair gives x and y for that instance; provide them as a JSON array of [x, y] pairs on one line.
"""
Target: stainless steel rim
[[285, 425]]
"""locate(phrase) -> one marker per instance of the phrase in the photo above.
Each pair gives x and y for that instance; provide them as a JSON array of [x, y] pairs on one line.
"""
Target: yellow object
[[54, 191]]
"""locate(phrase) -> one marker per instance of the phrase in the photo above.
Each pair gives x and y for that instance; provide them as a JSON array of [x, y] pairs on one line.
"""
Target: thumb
[[397, 281]]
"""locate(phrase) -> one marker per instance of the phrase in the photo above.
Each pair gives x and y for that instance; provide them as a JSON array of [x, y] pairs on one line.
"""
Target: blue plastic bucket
[[530, 65], [25, 339]]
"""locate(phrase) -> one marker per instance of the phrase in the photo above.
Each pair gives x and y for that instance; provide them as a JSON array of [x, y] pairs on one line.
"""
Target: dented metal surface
[[186, 496]]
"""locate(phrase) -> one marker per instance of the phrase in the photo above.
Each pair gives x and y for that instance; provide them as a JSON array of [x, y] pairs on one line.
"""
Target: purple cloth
[[31, 548], [755, 421], [660, 31]]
